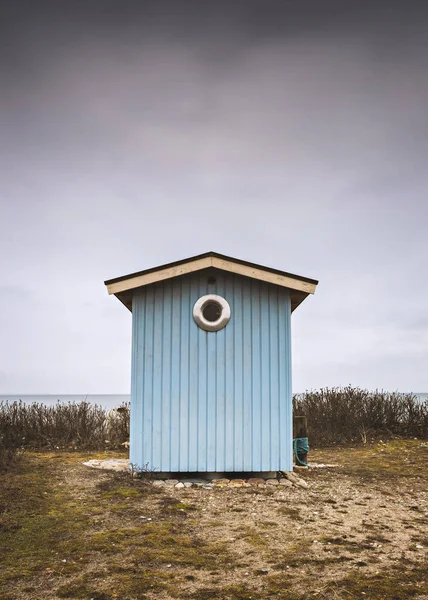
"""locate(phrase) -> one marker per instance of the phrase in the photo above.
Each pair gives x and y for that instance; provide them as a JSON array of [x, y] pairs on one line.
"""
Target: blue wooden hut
[[211, 364]]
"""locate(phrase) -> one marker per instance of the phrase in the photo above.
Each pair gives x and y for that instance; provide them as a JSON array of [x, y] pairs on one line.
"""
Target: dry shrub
[[348, 414], [79, 426]]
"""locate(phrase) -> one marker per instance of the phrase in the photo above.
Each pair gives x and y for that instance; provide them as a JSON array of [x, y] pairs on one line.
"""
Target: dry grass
[[67, 531]]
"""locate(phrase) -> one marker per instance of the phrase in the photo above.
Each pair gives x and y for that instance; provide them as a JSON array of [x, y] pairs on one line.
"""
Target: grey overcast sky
[[289, 133]]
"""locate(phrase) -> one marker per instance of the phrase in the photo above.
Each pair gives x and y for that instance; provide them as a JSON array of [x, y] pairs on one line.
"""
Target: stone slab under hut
[[205, 481]]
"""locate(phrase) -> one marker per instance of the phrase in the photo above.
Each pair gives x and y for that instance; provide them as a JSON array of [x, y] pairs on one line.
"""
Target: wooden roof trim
[[254, 272], [116, 286], [207, 255], [159, 275]]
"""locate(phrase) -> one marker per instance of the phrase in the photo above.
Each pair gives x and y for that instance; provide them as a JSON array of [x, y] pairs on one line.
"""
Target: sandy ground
[[365, 521]]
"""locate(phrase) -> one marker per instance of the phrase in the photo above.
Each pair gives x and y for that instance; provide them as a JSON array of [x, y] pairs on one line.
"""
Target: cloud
[[288, 134]]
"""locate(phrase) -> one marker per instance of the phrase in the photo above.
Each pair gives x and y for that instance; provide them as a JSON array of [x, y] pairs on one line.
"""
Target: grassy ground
[[359, 531]]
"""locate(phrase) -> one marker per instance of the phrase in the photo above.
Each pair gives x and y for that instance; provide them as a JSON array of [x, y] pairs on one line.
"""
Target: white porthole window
[[211, 312]]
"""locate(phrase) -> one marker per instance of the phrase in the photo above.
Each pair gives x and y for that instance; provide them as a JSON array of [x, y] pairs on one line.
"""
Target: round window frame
[[198, 314]]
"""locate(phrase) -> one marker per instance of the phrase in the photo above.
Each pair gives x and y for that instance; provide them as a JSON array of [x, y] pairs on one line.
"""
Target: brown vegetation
[[65, 426], [348, 414]]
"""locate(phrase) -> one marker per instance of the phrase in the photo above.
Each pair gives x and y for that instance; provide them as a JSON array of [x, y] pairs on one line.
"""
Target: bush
[[8, 454], [76, 426], [348, 414]]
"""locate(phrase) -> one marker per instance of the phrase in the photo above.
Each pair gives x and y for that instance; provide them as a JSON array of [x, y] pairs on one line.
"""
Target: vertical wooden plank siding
[[211, 401]]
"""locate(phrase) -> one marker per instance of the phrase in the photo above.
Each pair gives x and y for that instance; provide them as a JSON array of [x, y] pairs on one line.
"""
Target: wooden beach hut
[[211, 364]]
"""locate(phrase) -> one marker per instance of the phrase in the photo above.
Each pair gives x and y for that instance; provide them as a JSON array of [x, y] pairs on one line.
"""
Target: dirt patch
[[359, 530]]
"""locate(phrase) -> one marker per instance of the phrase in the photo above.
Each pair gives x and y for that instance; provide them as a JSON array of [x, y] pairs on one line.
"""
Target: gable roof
[[122, 287]]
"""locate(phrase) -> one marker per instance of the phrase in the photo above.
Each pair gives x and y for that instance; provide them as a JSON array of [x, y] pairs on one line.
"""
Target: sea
[[105, 400]]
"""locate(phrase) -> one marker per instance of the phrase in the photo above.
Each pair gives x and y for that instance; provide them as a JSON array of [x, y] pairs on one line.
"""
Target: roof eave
[[201, 256], [211, 260]]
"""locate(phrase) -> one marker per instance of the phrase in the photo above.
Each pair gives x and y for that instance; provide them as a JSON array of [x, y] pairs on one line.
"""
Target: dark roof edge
[[205, 255]]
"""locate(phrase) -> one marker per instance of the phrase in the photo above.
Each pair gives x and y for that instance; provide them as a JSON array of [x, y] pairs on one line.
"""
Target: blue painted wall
[[211, 401]]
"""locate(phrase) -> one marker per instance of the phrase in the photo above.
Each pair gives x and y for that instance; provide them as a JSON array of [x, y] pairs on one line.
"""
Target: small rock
[[201, 481], [295, 480], [301, 483], [187, 484], [207, 486], [171, 482], [158, 483], [179, 485], [285, 483], [236, 482], [256, 481], [272, 482], [222, 481], [419, 547], [290, 476]]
